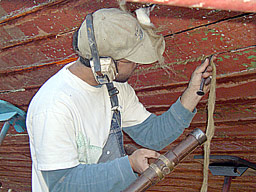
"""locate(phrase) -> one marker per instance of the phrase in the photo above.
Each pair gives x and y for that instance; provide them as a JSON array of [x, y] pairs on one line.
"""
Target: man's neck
[[83, 72]]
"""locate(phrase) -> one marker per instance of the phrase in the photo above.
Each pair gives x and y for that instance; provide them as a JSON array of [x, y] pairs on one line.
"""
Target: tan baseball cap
[[119, 35]]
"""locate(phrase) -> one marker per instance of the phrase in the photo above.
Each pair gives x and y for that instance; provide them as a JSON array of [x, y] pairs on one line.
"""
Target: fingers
[[199, 84], [149, 153], [207, 73], [208, 80], [205, 65], [139, 159], [205, 70]]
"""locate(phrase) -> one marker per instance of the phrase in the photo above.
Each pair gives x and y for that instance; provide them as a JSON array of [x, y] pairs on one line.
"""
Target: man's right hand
[[139, 159]]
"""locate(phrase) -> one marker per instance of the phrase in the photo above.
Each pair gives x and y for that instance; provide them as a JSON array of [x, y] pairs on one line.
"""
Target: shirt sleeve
[[114, 176], [133, 112], [156, 132], [54, 139]]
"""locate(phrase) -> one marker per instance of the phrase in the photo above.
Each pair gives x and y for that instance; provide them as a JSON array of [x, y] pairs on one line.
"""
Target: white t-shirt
[[68, 122]]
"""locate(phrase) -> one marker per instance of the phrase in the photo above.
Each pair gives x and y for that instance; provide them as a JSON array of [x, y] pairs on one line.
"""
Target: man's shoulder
[[123, 86], [126, 91], [50, 95]]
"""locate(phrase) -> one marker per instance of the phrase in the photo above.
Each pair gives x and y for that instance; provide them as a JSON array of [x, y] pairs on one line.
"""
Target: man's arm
[[156, 132], [114, 175]]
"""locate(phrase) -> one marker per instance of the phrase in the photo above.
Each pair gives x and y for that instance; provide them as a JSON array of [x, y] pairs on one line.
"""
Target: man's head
[[119, 35]]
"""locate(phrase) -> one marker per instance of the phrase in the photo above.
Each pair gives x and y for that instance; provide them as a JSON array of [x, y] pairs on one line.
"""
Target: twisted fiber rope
[[210, 127]]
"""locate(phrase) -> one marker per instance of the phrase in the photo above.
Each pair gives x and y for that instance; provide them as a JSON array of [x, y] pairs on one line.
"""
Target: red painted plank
[[37, 54], [31, 53], [50, 21], [10, 7], [173, 20], [176, 70], [48, 25], [235, 5], [29, 78]]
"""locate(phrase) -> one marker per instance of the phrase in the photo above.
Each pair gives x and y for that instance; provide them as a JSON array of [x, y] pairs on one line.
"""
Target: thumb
[[203, 66]]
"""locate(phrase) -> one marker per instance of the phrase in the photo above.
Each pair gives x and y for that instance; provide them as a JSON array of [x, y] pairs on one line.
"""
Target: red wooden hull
[[36, 42]]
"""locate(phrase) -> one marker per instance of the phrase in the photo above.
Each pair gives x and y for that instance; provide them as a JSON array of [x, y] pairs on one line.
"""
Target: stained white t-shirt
[[68, 122]]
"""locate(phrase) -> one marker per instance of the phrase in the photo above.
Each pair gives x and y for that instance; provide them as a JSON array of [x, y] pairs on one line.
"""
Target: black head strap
[[84, 61], [92, 44]]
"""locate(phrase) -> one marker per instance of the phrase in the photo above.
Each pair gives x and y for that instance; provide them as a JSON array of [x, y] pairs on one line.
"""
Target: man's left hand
[[190, 99]]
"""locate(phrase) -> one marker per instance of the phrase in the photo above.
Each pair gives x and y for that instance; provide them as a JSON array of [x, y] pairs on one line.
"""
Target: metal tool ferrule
[[167, 162], [157, 170], [199, 135], [164, 168]]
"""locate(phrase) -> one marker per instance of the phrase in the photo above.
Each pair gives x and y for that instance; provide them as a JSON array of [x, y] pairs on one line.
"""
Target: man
[[74, 128]]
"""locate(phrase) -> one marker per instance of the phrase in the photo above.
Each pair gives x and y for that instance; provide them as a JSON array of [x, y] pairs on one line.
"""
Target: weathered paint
[[36, 42], [235, 5]]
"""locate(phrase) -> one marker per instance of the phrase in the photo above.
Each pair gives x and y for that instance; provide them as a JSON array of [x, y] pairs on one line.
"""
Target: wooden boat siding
[[234, 5], [36, 42]]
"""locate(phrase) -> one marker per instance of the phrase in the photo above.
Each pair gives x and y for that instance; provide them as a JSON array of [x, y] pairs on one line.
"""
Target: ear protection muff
[[103, 68]]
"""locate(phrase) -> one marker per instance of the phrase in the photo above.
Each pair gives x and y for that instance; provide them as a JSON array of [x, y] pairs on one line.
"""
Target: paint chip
[[198, 5]]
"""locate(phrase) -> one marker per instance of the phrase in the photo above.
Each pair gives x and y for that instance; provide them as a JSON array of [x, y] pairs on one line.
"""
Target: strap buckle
[[113, 91]]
